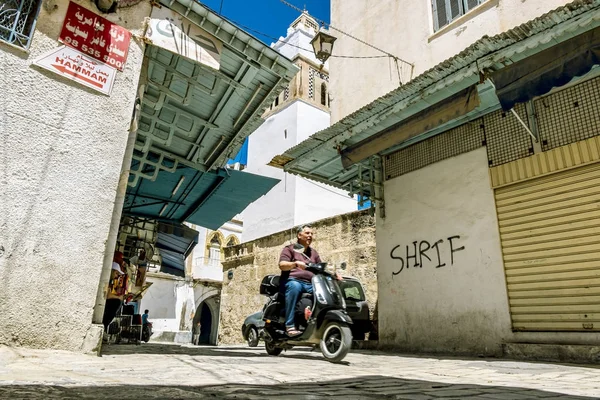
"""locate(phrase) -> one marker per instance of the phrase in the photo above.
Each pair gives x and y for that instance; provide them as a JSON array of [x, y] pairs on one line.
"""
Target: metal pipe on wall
[[113, 232]]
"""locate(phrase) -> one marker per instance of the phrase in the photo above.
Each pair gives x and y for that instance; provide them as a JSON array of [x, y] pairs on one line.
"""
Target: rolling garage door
[[550, 235]]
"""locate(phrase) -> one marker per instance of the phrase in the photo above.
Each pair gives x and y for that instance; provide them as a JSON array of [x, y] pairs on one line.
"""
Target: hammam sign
[[79, 67], [173, 32]]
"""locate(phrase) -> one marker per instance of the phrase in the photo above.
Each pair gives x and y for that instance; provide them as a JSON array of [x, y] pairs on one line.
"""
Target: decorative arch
[[232, 240], [207, 313], [209, 293], [215, 241]]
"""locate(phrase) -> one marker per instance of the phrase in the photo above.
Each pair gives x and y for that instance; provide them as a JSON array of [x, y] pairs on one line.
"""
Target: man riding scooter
[[312, 297], [299, 279]]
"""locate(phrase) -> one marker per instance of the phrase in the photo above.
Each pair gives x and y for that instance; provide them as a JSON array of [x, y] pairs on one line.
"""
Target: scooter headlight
[[336, 291], [320, 295]]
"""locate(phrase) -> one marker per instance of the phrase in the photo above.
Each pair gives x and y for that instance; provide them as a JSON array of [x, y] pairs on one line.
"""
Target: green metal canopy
[[193, 116]]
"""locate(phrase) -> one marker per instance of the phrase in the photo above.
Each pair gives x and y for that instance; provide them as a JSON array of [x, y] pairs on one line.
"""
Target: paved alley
[[184, 372]]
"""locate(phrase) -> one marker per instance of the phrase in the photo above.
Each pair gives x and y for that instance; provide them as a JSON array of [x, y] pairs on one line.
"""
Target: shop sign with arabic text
[[95, 36], [173, 32]]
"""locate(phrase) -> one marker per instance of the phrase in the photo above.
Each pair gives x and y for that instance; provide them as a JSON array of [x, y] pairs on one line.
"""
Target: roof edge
[[484, 47]]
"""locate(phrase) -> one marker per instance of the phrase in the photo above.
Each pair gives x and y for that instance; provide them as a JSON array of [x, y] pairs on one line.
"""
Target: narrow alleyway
[[182, 372]]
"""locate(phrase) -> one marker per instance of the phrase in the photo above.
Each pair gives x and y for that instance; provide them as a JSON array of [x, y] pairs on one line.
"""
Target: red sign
[[95, 36]]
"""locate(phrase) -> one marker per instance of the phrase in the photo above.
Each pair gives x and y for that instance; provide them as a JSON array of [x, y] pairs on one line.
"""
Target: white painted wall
[[315, 201], [170, 301], [461, 307], [274, 211], [405, 29], [294, 200], [61, 150]]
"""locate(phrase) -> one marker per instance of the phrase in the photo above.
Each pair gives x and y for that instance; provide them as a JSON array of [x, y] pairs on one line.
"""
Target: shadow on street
[[210, 351], [368, 387], [305, 353]]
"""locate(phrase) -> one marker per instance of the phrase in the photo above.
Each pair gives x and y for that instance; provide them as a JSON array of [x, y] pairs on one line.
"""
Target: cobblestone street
[[183, 372]]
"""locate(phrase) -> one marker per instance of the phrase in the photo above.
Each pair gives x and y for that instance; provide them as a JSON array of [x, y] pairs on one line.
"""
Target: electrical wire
[[277, 40], [323, 23]]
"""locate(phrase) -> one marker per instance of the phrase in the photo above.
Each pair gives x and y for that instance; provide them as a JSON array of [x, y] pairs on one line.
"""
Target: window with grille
[[446, 11], [17, 21]]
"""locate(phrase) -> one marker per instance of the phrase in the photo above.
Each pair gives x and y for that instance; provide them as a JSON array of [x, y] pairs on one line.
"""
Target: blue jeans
[[293, 289]]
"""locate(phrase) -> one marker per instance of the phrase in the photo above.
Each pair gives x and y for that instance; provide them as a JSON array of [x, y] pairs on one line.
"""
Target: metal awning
[[320, 157], [193, 116], [177, 238], [553, 67], [175, 242]]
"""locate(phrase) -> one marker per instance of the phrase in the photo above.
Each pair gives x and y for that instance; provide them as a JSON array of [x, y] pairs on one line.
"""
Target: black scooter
[[326, 325]]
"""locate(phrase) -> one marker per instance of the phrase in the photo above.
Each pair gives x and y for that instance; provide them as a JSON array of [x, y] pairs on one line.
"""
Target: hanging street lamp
[[322, 44]]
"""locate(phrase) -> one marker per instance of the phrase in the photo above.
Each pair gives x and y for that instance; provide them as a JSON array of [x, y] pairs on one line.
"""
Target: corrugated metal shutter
[[550, 235]]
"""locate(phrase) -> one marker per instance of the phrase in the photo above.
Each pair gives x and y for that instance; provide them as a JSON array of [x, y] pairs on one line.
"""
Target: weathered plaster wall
[[347, 237], [171, 305], [462, 306], [405, 29], [61, 150]]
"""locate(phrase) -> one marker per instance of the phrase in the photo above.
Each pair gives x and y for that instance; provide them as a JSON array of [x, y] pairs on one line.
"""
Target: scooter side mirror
[[298, 247]]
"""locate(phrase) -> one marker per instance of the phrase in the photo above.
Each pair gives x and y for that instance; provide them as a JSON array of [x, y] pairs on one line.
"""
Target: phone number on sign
[[93, 52]]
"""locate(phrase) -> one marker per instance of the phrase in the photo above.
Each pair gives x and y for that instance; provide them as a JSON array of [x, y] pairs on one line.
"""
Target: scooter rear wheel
[[336, 341], [272, 350]]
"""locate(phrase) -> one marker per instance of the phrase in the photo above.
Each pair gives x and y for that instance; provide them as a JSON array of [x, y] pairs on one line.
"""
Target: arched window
[[214, 249], [231, 242], [323, 94]]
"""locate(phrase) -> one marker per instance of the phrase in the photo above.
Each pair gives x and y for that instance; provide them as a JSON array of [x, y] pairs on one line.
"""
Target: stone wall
[[347, 237]]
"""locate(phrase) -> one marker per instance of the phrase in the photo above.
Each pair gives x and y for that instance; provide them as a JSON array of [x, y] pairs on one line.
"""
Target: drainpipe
[[113, 233]]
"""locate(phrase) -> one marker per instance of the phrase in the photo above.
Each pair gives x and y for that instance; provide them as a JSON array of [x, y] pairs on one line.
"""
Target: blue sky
[[271, 17]]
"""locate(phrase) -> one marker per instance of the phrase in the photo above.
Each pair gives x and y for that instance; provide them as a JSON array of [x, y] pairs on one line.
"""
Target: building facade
[[299, 111], [115, 117], [481, 161]]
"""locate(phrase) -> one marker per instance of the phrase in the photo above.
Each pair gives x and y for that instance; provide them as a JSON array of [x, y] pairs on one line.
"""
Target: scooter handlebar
[[317, 268]]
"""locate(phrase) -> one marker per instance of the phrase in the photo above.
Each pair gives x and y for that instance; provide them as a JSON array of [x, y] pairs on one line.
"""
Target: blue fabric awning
[[208, 199]]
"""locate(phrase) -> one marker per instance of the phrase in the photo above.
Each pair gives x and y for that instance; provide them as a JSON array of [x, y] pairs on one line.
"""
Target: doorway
[[205, 324]]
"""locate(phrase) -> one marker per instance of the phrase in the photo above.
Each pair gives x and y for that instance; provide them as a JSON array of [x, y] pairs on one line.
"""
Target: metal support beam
[[535, 139], [194, 153]]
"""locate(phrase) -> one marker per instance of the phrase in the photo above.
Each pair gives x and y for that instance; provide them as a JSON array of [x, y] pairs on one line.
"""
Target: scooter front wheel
[[272, 350], [336, 341]]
